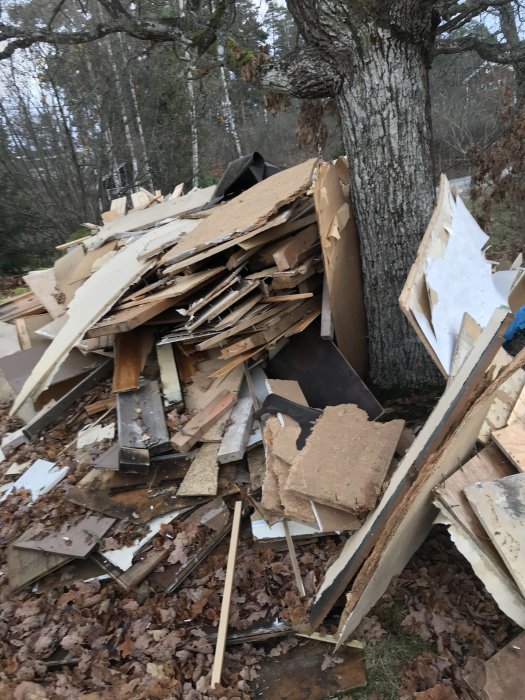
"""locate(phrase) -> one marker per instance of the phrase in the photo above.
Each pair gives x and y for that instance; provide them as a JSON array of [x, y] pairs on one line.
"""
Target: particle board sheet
[[44, 285], [202, 478], [451, 276], [342, 264], [74, 539], [249, 210], [511, 441], [345, 459], [300, 674], [91, 301], [500, 507], [324, 374], [501, 677]]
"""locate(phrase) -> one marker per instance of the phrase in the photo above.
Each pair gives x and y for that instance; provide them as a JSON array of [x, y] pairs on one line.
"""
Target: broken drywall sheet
[[40, 478], [9, 343], [95, 433], [459, 279]]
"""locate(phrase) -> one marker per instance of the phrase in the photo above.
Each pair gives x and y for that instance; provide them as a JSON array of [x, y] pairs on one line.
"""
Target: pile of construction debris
[[214, 354]]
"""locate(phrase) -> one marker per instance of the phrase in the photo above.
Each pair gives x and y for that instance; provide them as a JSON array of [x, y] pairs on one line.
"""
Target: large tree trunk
[[371, 56]]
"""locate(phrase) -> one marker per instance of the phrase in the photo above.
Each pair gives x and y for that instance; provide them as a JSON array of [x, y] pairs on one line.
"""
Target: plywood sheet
[[345, 459], [248, 211], [511, 441], [500, 507], [202, 478], [25, 566]]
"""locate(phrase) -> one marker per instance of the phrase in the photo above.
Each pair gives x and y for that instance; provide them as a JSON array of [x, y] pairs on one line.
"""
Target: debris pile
[[200, 362]]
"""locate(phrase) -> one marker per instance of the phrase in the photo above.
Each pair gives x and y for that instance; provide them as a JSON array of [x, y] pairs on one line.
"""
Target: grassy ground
[[385, 659]]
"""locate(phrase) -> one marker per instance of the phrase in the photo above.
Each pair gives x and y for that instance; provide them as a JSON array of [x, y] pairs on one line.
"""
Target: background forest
[[82, 124]]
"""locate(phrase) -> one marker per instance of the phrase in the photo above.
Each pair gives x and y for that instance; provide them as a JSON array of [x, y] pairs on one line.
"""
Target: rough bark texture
[[375, 54]]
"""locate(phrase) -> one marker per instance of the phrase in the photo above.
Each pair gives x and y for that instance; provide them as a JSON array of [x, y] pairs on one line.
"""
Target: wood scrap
[[511, 441], [500, 677], [202, 478], [235, 439], [203, 421], [131, 352]]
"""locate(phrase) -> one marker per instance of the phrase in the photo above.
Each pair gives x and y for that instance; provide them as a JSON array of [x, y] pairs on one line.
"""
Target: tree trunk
[[386, 131], [371, 56]]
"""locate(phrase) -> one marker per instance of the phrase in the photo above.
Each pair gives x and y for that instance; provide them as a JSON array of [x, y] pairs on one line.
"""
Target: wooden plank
[[296, 249], [518, 412], [119, 205], [202, 478], [29, 325], [296, 277], [131, 352], [293, 558], [128, 319], [288, 297], [169, 376], [142, 426], [502, 676], [411, 479], [51, 414], [505, 399], [342, 264], [91, 301], [195, 428], [100, 406], [21, 305], [223, 302], [500, 507], [345, 459], [226, 597], [23, 334], [233, 445], [44, 285], [247, 211], [133, 576], [511, 441], [277, 231]]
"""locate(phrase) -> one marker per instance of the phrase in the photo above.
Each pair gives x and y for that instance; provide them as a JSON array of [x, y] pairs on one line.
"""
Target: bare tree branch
[[457, 14]]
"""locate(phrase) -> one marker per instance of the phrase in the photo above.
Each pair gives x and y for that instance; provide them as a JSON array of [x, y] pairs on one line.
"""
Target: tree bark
[[376, 56]]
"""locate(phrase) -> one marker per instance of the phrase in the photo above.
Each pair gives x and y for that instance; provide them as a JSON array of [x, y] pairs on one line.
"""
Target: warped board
[[249, 210], [500, 507], [91, 301]]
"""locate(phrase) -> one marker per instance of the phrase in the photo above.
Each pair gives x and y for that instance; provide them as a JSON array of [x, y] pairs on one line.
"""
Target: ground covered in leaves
[[68, 638]]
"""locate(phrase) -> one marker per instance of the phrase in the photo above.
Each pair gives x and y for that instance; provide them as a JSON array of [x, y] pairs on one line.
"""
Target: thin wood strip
[[293, 558], [226, 598]]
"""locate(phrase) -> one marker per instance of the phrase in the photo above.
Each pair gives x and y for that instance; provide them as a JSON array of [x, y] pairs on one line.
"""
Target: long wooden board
[[511, 441]]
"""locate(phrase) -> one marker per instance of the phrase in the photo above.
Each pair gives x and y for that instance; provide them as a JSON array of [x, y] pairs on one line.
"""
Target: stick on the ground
[[295, 564], [226, 598]]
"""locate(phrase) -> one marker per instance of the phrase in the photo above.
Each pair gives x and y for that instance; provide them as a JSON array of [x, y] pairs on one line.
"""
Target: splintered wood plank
[[277, 231], [131, 352], [169, 375], [202, 478], [226, 597], [195, 428], [296, 249], [76, 539], [287, 297], [299, 674], [128, 319], [345, 459], [511, 441], [469, 332], [233, 445], [500, 506]]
